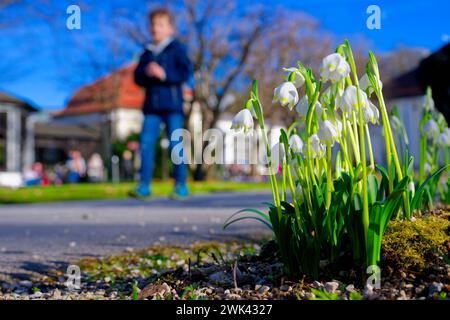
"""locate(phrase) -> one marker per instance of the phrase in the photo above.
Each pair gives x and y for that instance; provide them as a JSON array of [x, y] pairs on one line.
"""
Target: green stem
[[329, 177], [365, 214], [283, 182], [369, 144], [388, 132], [422, 159], [353, 143]]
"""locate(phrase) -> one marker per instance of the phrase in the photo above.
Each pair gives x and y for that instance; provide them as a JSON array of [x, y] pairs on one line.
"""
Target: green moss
[[412, 245]]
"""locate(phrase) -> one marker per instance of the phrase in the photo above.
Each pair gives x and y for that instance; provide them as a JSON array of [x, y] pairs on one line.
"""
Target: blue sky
[[413, 23]]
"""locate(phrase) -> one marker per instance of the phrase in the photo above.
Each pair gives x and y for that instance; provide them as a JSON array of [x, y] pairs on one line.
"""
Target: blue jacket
[[164, 96]]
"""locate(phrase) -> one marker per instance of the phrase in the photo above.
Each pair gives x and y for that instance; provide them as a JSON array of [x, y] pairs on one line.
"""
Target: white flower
[[443, 139], [299, 80], [349, 100], [364, 83], [338, 123], [303, 106], [376, 113], [334, 67], [316, 147], [428, 103], [328, 132], [431, 128], [286, 94], [295, 143], [411, 188], [242, 120], [278, 154], [370, 113]]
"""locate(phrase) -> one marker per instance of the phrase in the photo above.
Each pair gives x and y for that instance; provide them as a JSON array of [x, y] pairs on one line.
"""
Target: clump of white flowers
[[325, 180], [434, 141]]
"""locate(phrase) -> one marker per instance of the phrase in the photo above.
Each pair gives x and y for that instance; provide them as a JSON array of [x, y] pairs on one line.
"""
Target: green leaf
[[226, 225], [417, 199], [380, 214], [255, 88], [372, 188], [250, 210], [288, 207]]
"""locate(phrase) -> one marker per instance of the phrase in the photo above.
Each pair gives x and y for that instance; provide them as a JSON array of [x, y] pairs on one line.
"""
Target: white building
[[14, 142]]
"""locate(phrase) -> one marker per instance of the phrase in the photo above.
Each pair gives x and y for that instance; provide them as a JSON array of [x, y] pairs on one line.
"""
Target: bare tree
[[289, 40]]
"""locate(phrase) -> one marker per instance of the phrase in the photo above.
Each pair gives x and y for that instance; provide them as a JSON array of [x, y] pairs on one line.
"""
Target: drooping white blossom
[[376, 113], [431, 129], [411, 188], [338, 123], [334, 67], [328, 133], [349, 100], [443, 139], [243, 120], [286, 94], [278, 154], [298, 78], [296, 143], [303, 106], [427, 103], [370, 113], [316, 147]]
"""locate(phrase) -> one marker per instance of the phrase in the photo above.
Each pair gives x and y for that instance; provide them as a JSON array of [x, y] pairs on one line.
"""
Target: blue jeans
[[149, 137]]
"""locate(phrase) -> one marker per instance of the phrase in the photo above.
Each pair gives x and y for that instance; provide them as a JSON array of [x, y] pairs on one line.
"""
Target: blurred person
[[36, 176], [60, 173], [163, 68], [95, 168], [76, 166]]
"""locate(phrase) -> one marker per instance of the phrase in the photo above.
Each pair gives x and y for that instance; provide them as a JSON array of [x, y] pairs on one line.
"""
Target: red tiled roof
[[8, 98], [116, 90]]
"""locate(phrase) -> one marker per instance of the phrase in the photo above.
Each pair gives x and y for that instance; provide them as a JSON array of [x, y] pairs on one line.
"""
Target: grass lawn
[[89, 191]]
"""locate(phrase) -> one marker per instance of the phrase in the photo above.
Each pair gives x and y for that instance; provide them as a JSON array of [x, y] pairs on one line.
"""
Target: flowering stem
[[291, 186], [392, 148], [365, 214], [329, 177], [262, 125], [283, 182], [369, 144], [355, 136], [309, 117], [423, 150], [353, 142]]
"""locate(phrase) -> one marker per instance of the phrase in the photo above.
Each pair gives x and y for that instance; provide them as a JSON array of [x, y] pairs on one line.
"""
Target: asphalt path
[[36, 237]]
